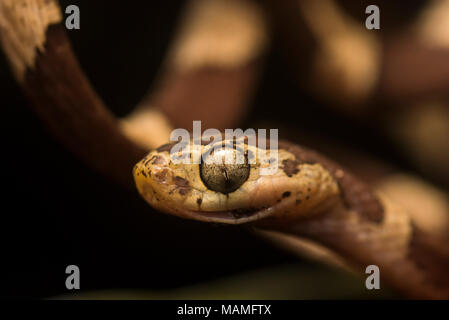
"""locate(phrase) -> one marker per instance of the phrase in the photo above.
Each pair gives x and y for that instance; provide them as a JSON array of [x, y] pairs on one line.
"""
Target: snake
[[309, 202], [308, 196]]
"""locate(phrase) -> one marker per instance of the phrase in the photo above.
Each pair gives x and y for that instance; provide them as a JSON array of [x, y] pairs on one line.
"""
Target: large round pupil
[[221, 176]]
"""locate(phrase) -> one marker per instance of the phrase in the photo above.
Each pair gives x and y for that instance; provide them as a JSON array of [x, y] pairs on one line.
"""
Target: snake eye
[[220, 176]]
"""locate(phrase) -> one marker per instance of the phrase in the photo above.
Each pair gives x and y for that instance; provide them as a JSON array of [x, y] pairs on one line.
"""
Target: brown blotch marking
[[182, 185], [286, 194], [356, 195], [161, 175], [298, 202], [199, 201], [158, 160], [361, 199], [144, 174], [181, 182], [166, 147], [290, 167]]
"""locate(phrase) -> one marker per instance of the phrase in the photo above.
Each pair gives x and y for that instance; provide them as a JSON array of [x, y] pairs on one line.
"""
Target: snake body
[[210, 72], [309, 196]]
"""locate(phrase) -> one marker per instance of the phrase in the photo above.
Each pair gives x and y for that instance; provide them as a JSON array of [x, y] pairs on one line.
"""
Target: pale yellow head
[[264, 184]]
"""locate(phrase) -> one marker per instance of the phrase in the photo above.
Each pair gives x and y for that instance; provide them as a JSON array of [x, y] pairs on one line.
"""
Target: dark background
[[49, 221]]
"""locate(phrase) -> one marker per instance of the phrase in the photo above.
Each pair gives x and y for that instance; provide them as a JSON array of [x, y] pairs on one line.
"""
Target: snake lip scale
[[238, 216]]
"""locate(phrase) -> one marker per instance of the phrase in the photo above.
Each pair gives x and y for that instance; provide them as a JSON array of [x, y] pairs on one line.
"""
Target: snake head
[[231, 183]]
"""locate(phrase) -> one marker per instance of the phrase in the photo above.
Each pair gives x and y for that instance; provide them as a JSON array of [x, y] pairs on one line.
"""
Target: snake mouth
[[232, 216], [239, 216]]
